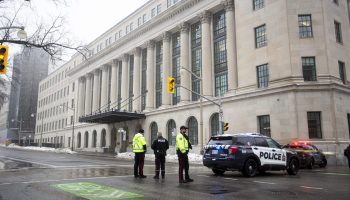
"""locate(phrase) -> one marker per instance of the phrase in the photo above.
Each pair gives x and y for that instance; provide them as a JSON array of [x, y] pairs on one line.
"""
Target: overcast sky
[[86, 19]]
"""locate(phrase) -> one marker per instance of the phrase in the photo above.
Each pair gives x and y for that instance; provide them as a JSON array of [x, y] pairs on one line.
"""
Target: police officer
[[182, 147], [139, 148], [160, 146]]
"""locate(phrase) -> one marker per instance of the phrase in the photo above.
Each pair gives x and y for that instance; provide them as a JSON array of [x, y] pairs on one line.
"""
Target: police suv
[[250, 153]]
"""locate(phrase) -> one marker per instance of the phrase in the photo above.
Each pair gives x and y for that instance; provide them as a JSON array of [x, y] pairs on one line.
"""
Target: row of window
[[53, 81], [53, 111], [52, 140], [52, 126], [55, 96]]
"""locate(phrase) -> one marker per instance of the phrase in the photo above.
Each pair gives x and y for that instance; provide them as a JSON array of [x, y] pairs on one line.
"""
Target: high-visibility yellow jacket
[[137, 143], [181, 143]]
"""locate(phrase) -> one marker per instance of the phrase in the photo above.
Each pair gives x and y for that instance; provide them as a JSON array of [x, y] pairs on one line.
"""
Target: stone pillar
[[104, 88], [88, 96], [81, 96], [150, 76], [114, 84], [184, 62], [125, 82], [137, 80], [96, 92], [232, 73], [166, 96], [207, 57]]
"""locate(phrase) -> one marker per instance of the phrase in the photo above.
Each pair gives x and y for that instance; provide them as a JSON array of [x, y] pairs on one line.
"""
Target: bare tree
[[49, 35]]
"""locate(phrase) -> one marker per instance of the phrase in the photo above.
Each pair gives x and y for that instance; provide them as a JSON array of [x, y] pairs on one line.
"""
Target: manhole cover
[[283, 193], [212, 189]]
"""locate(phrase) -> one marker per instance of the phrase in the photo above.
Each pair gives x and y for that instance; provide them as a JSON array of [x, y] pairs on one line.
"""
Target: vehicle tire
[[324, 163], [293, 167], [250, 168], [311, 164], [218, 171]]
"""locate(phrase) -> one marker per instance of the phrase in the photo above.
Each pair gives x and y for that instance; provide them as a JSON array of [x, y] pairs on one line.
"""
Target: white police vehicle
[[250, 153]]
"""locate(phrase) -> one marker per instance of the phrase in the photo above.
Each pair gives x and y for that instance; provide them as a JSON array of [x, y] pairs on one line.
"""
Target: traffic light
[[3, 58], [171, 85], [225, 126]]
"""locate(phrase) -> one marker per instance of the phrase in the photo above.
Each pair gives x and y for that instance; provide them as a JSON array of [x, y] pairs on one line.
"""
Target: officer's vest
[[181, 143], [137, 143]]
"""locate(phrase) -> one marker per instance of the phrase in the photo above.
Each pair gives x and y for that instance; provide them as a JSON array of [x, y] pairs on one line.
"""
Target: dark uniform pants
[[183, 165], [348, 160], [160, 164], [139, 163]]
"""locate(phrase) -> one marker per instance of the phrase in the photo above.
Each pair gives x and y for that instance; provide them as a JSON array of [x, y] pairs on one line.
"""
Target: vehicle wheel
[[293, 167], [324, 163], [218, 171], [250, 168], [311, 164]]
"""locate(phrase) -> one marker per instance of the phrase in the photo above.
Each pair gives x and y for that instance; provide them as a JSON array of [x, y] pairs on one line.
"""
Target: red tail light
[[232, 150]]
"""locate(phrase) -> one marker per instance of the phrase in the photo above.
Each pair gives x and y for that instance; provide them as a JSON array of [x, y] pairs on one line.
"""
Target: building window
[[86, 140], [176, 66], [144, 18], [73, 86], [193, 130], [131, 26], [153, 12], [103, 138], [305, 26], [262, 73], [159, 8], [342, 71], [309, 68], [314, 124], [260, 36], [214, 124], [220, 54], [127, 29], [139, 21], [258, 4], [154, 131], [69, 141], [172, 132], [159, 73], [338, 34], [94, 138], [143, 79], [131, 81], [79, 140], [264, 125], [196, 42]]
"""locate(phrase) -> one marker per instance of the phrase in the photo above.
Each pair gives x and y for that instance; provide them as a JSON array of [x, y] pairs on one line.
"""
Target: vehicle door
[[278, 155], [316, 154], [262, 150]]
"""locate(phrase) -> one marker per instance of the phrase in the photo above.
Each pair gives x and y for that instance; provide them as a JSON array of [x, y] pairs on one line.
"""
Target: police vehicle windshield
[[231, 140], [220, 140]]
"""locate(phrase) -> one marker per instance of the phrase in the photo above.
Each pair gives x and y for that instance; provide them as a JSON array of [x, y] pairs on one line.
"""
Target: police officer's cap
[[183, 127], [141, 131]]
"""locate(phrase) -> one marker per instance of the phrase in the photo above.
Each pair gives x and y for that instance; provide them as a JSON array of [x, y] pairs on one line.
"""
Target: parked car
[[249, 153], [309, 155]]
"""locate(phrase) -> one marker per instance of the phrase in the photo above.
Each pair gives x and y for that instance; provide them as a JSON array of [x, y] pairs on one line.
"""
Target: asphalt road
[[42, 175]]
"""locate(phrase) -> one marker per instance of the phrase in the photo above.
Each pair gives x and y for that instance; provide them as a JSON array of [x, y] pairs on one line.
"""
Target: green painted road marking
[[94, 191]]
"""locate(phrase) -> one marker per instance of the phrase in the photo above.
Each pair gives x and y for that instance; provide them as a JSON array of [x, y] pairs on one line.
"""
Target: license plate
[[214, 151]]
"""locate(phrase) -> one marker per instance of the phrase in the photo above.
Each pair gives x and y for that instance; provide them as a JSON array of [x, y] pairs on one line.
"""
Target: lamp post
[[182, 70], [19, 130], [21, 33], [73, 109]]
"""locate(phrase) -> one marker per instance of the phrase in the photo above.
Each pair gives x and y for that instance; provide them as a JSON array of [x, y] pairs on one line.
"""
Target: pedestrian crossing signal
[[225, 126], [3, 58], [171, 85]]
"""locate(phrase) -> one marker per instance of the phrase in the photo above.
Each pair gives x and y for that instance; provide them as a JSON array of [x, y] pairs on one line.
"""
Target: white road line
[[316, 188], [28, 161], [203, 175], [339, 174], [264, 182], [232, 179]]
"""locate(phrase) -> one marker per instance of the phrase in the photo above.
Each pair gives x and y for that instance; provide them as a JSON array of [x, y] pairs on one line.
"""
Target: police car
[[250, 153]]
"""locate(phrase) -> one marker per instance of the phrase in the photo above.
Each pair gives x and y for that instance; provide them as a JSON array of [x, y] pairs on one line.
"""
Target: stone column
[[125, 82], [81, 96], [96, 91], [207, 57], [137, 80], [232, 73], [184, 62], [150, 76], [166, 97], [104, 88], [114, 84], [88, 96]]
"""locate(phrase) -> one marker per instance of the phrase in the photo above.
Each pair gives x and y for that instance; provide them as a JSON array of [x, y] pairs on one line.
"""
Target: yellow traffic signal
[[171, 85], [225, 126], [3, 58]]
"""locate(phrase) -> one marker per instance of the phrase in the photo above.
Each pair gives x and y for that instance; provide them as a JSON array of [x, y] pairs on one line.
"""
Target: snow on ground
[[193, 158], [45, 149]]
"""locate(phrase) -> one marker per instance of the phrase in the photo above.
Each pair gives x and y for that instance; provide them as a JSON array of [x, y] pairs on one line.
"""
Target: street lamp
[[21, 33], [73, 109], [19, 130], [182, 71]]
